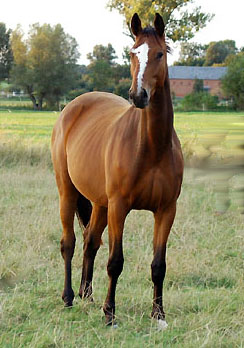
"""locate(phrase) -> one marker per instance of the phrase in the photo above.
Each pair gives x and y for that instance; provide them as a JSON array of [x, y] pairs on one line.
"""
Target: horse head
[[148, 60]]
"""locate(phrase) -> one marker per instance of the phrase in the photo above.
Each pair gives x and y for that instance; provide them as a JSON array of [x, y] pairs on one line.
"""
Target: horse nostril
[[144, 93]]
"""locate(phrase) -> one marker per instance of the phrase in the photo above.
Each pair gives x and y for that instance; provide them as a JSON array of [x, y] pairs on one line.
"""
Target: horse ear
[[159, 24], [136, 25]]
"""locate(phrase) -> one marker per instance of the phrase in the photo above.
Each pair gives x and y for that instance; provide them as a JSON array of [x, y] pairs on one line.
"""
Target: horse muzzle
[[140, 100]]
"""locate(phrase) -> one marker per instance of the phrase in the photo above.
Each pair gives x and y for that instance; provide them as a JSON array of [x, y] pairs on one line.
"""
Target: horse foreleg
[[67, 211], [92, 242], [116, 217], [163, 223]]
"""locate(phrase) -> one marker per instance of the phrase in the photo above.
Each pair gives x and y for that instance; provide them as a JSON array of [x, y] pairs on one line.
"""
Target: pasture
[[203, 295]]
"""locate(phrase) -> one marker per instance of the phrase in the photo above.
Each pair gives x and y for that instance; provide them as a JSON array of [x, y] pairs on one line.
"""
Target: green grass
[[198, 128], [27, 126], [204, 285]]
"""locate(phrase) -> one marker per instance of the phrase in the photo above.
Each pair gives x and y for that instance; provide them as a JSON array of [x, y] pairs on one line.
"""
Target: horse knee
[[115, 266], [158, 271], [67, 247]]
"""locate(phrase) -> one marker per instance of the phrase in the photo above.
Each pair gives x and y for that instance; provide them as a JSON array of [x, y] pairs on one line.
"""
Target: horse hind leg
[[92, 242], [68, 204], [71, 202]]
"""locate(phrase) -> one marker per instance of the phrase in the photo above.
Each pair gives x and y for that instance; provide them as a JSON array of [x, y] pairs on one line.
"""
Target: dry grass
[[203, 287], [204, 283]]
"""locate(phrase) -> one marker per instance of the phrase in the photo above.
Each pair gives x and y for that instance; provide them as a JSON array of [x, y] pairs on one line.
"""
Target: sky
[[91, 23]]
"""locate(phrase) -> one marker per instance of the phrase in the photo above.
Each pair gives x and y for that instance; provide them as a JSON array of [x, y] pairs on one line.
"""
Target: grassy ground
[[204, 282], [15, 103]]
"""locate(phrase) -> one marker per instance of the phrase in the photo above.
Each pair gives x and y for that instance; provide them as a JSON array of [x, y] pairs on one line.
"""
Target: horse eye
[[160, 55]]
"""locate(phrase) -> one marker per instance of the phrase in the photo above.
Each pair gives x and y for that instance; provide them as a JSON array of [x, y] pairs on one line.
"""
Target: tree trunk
[[32, 97], [40, 103]]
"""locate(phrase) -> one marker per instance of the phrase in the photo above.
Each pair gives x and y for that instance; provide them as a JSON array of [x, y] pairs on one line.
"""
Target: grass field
[[204, 297], [15, 103]]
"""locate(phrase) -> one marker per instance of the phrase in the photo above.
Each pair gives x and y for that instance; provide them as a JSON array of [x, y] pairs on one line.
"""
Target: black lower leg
[[68, 293], [158, 273], [114, 270], [90, 251]]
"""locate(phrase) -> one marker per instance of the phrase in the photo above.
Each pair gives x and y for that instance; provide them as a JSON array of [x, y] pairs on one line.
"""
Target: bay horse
[[111, 156]]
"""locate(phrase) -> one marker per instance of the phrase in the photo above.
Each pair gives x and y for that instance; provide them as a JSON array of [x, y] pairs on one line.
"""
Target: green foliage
[[217, 52], [6, 55], [198, 86], [126, 55], [103, 74], [233, 81], [100, 76], [182, 23], [105, 53], [121, 72], [192, 54], [122, 88], [199, 101], [45, 63]]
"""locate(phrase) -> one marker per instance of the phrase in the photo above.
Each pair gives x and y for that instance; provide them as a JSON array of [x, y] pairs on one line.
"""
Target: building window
[[206, 89]]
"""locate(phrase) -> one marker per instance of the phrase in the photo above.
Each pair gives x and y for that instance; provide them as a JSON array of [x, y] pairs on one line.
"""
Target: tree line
[[215, 53], [45, 64]]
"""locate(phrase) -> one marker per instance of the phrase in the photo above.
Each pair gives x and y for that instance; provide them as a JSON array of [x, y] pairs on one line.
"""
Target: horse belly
[[88, 182]]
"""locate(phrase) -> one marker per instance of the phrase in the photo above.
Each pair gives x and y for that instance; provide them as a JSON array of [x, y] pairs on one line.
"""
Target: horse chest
[[152, 190]]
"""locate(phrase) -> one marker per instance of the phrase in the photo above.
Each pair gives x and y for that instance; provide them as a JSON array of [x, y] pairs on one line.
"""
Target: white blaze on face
[[142, 56]]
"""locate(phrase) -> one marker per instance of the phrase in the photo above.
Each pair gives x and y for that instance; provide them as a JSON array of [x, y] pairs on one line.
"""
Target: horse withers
[[111, 156]]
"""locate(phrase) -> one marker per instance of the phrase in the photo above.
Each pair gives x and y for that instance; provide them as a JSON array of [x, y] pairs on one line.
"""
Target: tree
[[103, 73], [233, 81], [181, 23], [192, 54], [21, 73], [6, 56], [126, 55], [217, 52], [45, 63], [122, 88], [198, 86], [105, 53], [100, 76], [100, 73]]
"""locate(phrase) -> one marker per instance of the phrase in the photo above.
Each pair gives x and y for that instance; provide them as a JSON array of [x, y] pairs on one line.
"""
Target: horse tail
[[83, 210]]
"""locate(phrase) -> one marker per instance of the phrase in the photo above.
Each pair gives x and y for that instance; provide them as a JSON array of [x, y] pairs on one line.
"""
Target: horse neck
[[157, 121]]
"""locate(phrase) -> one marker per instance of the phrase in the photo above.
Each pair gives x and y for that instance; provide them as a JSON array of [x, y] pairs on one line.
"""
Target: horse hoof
[[68, 304], [112, 325], [111, 322], [162, 325], [68, 297]]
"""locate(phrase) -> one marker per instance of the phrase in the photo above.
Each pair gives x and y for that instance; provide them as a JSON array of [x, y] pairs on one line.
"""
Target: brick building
[[182, 79]]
